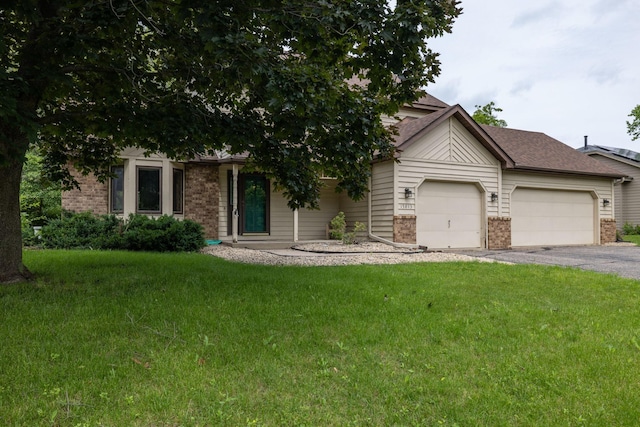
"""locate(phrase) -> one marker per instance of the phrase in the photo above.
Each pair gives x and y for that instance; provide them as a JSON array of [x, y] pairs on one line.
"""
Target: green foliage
[[40, 199], [152, 339], [85, 79], [633, 126], [137, 233], [338, 229], [630, 229], [338, 226], [486, 115]]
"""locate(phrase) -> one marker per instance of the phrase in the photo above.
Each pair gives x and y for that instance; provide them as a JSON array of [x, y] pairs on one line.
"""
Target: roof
[[429, 102], [411, 130], [614, 152], [537, 151], [425, 102]]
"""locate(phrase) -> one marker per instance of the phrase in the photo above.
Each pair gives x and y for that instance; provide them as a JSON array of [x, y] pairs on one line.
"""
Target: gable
[[450, 142]]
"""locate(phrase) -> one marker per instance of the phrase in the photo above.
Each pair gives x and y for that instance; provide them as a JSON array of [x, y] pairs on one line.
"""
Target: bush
[[630, 229], [137, 233], [338, 229]]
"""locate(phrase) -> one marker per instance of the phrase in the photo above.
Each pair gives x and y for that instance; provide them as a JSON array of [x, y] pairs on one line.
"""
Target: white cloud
[[567, 68]]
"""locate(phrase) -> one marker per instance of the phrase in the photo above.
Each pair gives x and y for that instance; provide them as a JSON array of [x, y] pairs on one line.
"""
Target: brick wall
[[607, 230], [202, 195], [93, 196], [404, 229], [499, 233]]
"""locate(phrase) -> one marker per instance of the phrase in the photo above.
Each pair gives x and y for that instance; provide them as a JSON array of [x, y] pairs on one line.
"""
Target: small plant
[[338, 226], [338, 229], [350, 238]]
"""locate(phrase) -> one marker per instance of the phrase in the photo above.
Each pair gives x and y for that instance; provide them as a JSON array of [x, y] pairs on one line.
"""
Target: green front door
[[254, 203]]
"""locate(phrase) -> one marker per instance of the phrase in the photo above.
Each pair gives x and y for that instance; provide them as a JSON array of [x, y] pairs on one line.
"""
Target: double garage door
[[450, 215], [552, 217]]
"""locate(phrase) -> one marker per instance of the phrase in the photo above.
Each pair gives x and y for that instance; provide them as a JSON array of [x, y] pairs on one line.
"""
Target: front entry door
[[253, 203]]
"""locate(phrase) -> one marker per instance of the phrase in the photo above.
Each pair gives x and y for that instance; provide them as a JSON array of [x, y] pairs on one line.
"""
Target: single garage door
[[551, 217], [449, 215]]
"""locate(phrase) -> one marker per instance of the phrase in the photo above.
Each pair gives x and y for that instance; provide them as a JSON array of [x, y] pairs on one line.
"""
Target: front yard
[[115, 338]]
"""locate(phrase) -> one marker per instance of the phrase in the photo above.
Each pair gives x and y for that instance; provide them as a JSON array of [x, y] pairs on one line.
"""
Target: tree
[[40, 199], [633, 127], [486, 115], [271, 78]]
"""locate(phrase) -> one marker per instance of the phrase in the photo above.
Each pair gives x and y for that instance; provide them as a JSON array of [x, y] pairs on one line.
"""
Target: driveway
[[620, 259]]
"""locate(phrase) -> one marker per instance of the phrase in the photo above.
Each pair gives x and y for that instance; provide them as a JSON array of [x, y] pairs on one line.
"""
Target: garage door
[[550, 217], [449, 215]]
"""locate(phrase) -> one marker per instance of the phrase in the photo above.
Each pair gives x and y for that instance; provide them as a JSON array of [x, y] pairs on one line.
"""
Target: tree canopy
[[270, 78], [633, 126], [486, 115]]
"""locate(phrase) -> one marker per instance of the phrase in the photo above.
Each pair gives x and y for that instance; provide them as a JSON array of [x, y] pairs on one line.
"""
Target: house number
[[406, 206]]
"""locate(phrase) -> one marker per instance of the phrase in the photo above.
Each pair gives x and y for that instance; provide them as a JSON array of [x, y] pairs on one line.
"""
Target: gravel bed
[[325, 254]]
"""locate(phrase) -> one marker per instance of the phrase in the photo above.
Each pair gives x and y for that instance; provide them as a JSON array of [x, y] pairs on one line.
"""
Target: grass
[[114, 339], [633, 238]]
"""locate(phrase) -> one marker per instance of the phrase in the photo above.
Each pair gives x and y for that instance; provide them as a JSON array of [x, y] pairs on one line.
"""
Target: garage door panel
[[551, 217]]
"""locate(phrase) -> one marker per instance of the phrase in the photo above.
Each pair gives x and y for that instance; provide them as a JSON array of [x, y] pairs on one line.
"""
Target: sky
[[567, 68]]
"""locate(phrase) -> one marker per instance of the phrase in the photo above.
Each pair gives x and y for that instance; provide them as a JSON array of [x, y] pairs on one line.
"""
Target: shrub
[[630, 229], [338, 226], [137, 233], [338, 229]]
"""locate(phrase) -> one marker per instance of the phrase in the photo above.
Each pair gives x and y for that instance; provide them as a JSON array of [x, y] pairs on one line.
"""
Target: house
[[456, 184], [626, 199]]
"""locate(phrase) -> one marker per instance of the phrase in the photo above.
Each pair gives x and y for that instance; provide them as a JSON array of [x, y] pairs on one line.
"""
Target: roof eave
[[519, 168]]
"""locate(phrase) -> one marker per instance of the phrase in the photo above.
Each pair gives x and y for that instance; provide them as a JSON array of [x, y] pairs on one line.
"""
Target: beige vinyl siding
[[355, 211], [447, 153], [601, 188], [281, 218], [382, 188], [626, 199], [450, 142], [312, 224]]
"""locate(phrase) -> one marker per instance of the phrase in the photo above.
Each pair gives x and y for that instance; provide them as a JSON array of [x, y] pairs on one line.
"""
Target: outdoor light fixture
[[408, 193], [494, 197], [605, 202]]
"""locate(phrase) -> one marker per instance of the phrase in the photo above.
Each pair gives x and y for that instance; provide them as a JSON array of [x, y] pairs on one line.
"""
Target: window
[[178, 191], [149, 190], [116, 192]]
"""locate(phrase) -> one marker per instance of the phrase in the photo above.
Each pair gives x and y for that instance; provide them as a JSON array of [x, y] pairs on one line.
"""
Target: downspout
[[370, 227], [295, 225]]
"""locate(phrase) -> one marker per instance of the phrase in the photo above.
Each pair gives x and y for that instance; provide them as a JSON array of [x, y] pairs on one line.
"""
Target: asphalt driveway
[[616, 259]]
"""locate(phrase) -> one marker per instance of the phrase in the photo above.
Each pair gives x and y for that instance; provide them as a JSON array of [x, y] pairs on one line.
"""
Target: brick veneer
[[499, 233], [202, 193], [607, 230], [404, 229], [93, 196]]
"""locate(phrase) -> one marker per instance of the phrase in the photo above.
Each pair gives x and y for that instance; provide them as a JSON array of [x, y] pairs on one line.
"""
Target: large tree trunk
[[11, 268]]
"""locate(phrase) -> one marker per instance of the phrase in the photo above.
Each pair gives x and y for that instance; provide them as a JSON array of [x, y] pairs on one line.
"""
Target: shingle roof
[[540, 152], [613, 151]]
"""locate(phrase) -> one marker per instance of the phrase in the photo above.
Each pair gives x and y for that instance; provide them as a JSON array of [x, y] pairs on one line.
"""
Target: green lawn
[[122, 339], [634, 238]]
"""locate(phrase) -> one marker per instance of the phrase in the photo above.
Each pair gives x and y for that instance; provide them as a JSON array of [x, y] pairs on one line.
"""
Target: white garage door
[[449, 215], [550, 217]]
